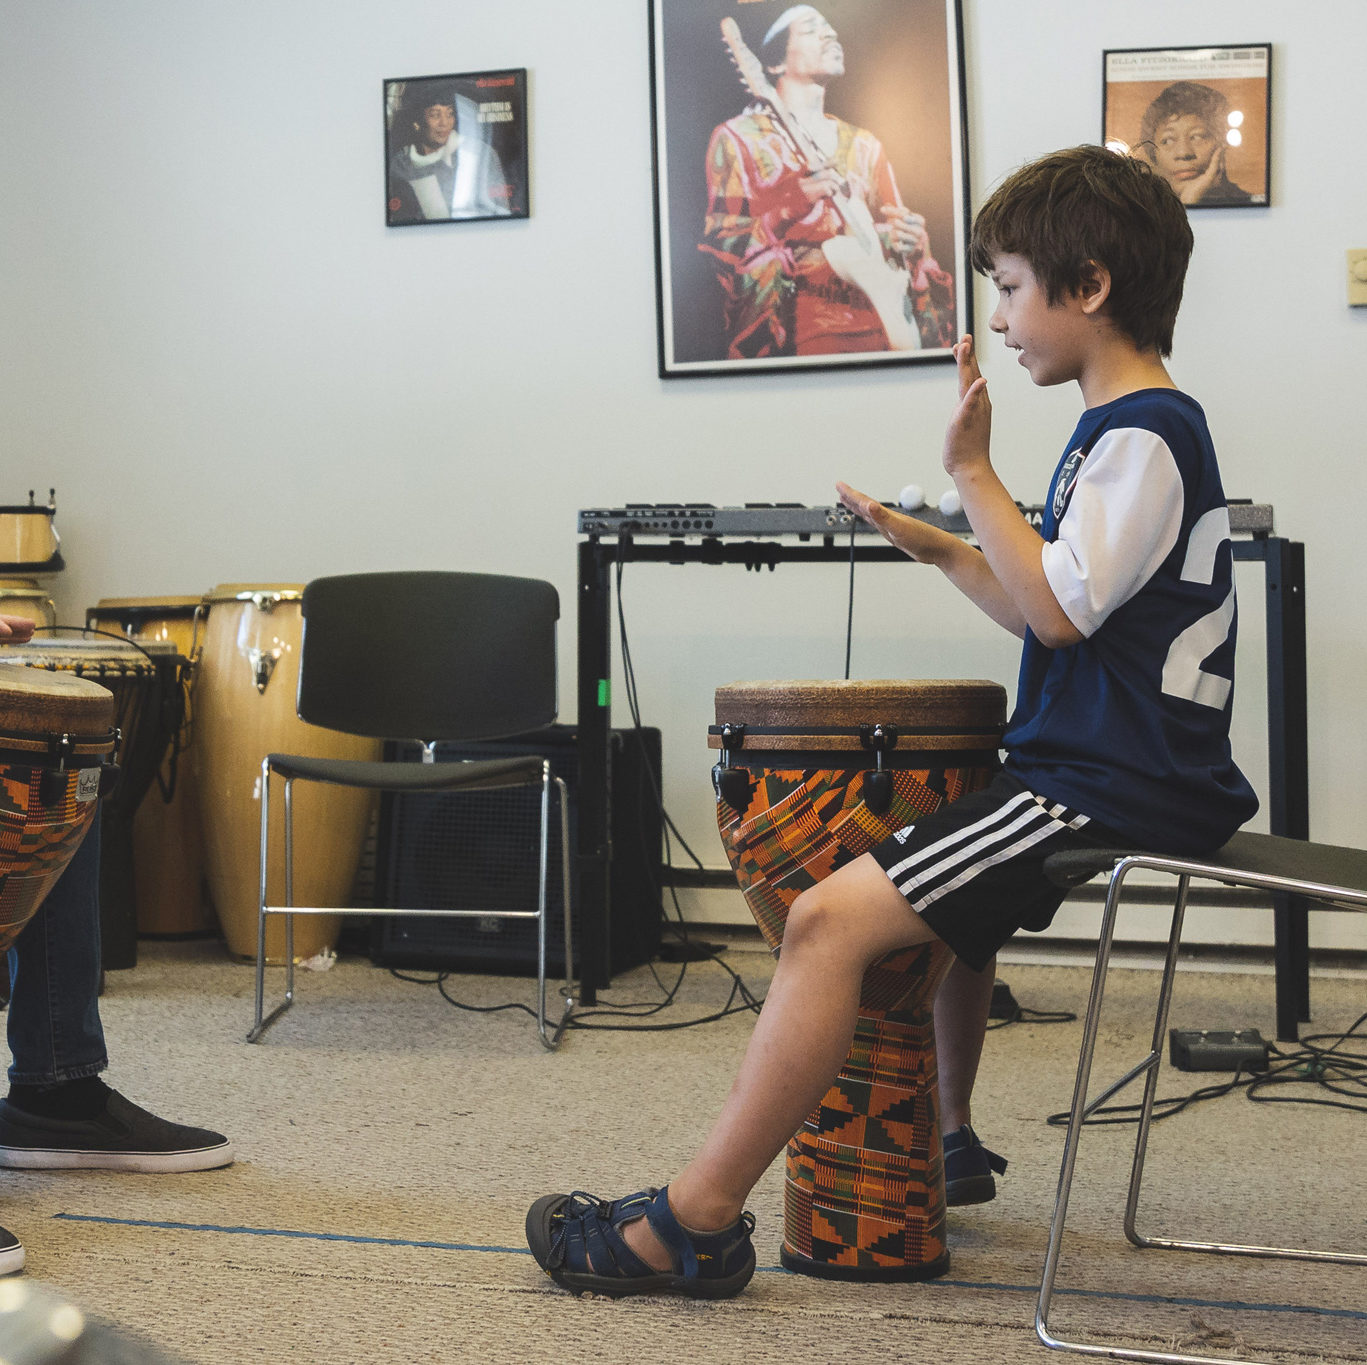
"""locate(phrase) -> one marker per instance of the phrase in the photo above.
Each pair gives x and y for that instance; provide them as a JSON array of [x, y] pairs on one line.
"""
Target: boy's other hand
[[15, 630], [923, 542], [970, 426]]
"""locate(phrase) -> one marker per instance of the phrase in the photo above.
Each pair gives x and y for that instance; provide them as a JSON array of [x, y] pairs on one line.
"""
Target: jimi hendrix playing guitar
[[814, 248]]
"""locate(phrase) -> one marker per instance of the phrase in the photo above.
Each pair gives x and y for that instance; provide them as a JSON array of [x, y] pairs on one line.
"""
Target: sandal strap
[[588, 1239], [668, 1229]]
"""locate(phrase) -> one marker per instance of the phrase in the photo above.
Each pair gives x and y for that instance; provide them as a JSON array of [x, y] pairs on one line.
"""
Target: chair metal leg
[[260, 1025], [549, 1040], [1160, 1029], [1079, 1111], [1082, 1109]]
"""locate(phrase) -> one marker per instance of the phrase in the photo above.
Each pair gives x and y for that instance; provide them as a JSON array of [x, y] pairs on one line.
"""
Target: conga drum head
[[813, 774], [56, 735], [164, 620]]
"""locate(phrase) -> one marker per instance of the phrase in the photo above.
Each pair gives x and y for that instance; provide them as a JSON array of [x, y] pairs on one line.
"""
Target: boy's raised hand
[[923, 542], [970, 427], [15, 630]]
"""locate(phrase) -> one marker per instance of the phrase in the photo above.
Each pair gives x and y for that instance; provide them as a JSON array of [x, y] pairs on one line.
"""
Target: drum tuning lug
[[732, 785], [878, 738], [878, 791], [263, 665]]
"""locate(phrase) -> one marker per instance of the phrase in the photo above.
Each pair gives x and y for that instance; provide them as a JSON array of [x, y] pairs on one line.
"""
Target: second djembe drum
[[813, 774]]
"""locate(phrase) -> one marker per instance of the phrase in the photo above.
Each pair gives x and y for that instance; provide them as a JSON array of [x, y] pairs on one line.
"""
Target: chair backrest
[[428, 655]]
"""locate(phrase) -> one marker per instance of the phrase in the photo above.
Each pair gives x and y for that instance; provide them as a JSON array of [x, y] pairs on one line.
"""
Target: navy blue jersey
[[1131, 725]]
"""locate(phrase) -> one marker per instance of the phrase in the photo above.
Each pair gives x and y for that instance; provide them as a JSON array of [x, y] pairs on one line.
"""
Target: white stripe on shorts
[[951, 862]]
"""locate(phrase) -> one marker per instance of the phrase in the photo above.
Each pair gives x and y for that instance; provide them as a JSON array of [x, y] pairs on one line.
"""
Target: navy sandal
[[577, 1240], [968, 1169]]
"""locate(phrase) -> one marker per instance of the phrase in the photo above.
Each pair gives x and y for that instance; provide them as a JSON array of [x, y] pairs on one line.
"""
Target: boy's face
[[1051, 338]]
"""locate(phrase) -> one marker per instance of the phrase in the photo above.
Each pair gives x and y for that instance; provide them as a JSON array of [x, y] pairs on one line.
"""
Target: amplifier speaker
[[480, 851]]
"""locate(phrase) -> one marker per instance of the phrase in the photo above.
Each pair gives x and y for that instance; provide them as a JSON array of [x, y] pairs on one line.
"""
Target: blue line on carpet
[[1182, 1300]]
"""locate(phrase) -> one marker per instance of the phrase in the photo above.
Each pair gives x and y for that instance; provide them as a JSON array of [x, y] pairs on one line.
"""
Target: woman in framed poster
[[456, 147], [811, 189], [1199, 115]]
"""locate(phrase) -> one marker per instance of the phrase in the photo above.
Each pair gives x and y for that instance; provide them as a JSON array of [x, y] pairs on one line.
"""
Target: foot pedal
[[1209, 1050]]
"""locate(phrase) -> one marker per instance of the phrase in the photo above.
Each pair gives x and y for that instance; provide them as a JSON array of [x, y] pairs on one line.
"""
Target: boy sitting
[[1120, 735]]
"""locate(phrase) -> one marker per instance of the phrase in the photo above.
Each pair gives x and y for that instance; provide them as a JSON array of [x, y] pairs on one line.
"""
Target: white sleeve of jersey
[[1121, 523]]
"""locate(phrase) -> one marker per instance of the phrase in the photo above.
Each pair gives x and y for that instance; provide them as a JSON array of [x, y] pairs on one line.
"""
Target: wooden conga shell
[[28, 538], [246, 680], [168, 848], [23, 597], [864, 1195], [47, 793]]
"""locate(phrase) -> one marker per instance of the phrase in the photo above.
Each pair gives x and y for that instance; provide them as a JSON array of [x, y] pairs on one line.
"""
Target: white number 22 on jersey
[[1182, 672]]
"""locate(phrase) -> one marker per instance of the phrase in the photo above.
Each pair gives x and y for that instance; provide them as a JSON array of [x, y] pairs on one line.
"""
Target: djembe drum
[[168, 848], [56, 738], [144, 680], [812, 775], [246, 682]]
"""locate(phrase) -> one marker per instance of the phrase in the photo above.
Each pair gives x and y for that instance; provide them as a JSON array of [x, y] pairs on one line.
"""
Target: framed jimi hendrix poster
[[811, 201]]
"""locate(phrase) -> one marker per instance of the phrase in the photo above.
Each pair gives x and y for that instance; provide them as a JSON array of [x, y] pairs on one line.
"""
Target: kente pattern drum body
[[814, 774], [56, 735]]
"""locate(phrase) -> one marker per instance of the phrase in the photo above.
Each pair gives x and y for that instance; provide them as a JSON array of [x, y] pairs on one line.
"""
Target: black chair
[[1334, 878], [432, 657]]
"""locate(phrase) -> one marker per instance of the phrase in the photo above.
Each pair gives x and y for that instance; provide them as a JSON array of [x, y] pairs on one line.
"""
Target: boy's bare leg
[[962, 1005], [803, 1034]]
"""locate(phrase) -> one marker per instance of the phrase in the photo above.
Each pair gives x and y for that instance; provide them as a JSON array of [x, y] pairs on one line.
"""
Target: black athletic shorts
[[974, 870]]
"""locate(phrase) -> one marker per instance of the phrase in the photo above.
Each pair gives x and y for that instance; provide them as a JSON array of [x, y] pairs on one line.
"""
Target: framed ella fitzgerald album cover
[[810, 183]]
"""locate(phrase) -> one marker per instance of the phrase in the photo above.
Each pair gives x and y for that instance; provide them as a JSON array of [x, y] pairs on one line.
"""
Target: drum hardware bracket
[[263, 664], [878, 783], [731, 784]]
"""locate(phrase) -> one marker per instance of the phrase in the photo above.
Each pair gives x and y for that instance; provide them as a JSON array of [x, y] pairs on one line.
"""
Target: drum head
[[95, 656], [820, 713], [36, 702], [248, 592]]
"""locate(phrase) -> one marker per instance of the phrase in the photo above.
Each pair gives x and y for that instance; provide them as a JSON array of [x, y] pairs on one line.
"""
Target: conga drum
[[813, 774], [56, 738], [246, 681], [144, 680], [29, 542], [23, 597], [168, 848]]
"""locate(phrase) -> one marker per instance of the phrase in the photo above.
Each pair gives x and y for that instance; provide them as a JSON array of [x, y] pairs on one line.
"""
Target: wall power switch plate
[[1357, 278], [1212, 1050]]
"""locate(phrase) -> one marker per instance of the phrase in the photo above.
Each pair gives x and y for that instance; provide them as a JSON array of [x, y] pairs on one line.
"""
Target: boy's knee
[[813, 918]]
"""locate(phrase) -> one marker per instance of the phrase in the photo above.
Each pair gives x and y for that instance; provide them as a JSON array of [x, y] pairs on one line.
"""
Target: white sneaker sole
[[151, 1163], [12, 1260]]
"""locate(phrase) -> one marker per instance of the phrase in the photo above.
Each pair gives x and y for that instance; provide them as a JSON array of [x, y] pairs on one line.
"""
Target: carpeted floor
[[389, 1145]]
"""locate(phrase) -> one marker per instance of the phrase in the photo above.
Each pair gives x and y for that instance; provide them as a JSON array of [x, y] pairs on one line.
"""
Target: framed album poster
[[810, 184], [1199, 115], [455, 147]]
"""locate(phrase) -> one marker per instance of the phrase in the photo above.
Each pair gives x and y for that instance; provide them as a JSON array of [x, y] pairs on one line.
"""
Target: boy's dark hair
[[1092, 204]]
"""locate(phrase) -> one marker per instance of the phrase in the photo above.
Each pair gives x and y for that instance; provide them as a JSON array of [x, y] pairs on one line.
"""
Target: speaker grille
[[480, 851]]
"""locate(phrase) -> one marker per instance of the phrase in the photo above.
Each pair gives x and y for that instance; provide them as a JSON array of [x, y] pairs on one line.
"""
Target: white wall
[[230, 370]]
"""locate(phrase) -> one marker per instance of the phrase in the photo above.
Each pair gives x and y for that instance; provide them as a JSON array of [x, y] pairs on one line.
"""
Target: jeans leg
[[53, 1021]]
